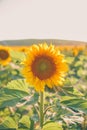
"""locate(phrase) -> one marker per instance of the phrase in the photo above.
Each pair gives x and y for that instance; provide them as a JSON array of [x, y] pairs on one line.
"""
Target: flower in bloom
[[75, 51], [44, 65], [4, 55]]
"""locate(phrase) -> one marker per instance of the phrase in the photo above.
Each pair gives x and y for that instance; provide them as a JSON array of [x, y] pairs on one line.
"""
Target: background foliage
[[65, 107]]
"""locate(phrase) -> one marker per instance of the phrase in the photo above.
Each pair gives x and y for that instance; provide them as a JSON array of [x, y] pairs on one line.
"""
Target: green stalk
[[41, 109]]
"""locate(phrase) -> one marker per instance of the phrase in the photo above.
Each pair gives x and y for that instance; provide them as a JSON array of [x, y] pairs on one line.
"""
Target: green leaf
[[25, 121], [80, 72], [18, 85], [75, 103], [69, 59], [78, 63], [83, 106], [9, 97], [23, 129], [17, 56], [13, 93], [9, 123], [52, 126]]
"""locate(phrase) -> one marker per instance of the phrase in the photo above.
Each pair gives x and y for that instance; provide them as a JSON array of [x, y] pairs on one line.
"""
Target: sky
[[43, 19]]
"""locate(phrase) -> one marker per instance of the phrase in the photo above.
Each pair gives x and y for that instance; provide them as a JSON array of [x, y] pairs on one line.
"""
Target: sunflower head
[[44, 65], [75, 51], [4, 55], [23, 49]]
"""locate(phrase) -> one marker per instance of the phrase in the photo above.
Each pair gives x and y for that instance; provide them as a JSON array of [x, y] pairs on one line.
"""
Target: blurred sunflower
[[75, 51], [23, 48], [4, 55], [44, 65]]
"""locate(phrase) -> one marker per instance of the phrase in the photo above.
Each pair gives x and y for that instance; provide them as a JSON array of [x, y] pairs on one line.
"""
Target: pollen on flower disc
[[43, 67]]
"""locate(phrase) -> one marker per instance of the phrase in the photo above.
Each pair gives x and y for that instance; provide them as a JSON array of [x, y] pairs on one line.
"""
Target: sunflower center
[[43, 67], [3, 54]]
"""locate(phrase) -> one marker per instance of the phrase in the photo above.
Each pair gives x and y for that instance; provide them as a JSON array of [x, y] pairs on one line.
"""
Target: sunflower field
[[43, 87]]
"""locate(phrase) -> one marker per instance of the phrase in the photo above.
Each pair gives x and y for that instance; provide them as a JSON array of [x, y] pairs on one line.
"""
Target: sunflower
[[75, 51], [44, 65], [4, 55]]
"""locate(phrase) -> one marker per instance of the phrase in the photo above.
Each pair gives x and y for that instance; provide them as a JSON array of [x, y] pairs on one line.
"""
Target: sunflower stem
[[41, 109]]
